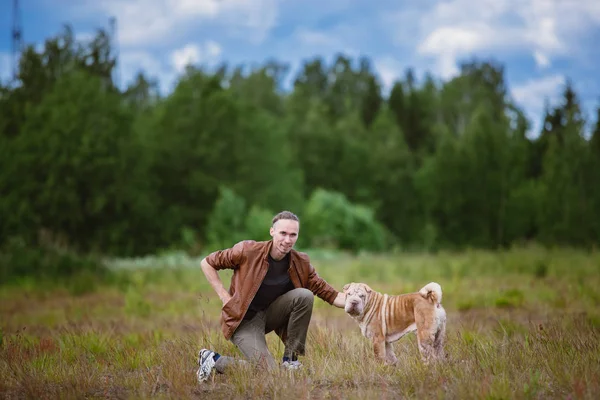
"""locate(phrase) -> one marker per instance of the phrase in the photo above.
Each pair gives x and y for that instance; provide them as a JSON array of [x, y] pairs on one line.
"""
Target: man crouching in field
[[272, 289]]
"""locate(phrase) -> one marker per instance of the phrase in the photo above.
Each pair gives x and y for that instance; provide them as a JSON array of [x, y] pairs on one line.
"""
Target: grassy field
[[524, 323]]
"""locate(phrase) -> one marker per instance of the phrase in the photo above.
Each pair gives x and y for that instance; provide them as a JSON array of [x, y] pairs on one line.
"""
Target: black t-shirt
[[276, 282]]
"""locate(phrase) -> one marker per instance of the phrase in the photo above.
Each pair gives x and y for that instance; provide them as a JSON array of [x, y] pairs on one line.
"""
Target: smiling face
[[284, 233], [356, 298]]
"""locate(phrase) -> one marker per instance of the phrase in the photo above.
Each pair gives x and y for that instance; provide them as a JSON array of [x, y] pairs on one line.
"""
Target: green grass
[[522, 324]]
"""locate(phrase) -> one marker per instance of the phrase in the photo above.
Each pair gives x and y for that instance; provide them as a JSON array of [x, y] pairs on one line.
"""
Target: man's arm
[[324, 290], [215, 281], [229, 258]]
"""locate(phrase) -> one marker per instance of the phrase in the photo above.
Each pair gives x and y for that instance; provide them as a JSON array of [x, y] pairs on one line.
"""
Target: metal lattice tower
[[17, 38]]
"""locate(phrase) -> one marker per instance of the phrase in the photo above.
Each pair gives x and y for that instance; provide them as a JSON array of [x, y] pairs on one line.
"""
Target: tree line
[[434, 164]]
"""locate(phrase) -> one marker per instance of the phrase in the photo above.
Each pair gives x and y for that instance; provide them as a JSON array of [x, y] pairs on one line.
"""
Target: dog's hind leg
[[439, 341], [425, 340], [426, 349], [390, 355]]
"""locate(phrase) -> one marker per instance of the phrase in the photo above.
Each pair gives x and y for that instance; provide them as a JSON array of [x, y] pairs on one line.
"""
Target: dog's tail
[[433, 292]]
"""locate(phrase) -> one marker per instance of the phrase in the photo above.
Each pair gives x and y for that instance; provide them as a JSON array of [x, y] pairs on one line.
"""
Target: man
[[272, 289]]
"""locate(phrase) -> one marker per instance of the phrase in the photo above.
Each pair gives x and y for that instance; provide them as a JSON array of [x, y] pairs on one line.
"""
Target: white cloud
[[194, 54], [339, 39], [164, 21], [448, 43], [306, 44], [133, 62], [189, 54], [534, 93], [213, 49], [388, 70], [317, 38], [450, 30], [541, 59], [84, 36]]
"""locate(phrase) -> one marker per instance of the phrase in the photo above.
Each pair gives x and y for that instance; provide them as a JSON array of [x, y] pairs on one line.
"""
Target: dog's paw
[[391, 361]]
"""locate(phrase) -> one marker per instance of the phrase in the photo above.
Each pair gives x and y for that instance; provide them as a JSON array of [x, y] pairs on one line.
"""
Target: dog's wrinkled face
[[356, 298]]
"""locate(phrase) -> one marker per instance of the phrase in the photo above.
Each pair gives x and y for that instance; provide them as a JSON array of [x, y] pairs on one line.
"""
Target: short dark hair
[[285, 215]]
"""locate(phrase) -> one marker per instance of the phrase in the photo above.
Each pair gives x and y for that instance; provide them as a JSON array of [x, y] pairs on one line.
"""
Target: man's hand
[[214, 280], [225, 297], [340, 300]]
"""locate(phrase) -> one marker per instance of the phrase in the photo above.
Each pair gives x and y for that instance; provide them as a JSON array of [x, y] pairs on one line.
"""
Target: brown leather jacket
[[249, 260]]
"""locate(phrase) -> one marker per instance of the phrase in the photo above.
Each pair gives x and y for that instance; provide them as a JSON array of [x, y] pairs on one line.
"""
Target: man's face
[[285, 234]]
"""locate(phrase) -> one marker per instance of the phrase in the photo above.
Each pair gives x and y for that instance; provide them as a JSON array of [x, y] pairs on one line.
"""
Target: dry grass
[[522, 324]]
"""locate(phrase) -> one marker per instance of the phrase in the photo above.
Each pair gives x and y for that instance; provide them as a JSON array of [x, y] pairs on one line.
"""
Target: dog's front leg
[[379, 347], [390, 355]]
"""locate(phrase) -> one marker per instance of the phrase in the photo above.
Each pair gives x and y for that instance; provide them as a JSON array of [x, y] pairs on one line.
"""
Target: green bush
[[231, 221], [225, 225], [331, 220], [258, 223]]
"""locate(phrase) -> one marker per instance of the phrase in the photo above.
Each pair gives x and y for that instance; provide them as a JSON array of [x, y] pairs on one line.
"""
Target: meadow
[[522, 324]]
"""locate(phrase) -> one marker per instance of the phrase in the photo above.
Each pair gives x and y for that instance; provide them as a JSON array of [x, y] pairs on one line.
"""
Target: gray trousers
[[291, 312]]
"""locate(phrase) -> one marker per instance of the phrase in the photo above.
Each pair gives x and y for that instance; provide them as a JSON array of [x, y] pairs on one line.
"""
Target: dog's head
[[356, 298]]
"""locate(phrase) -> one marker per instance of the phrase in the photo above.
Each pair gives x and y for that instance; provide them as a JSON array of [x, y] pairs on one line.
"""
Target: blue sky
[[540, 42]]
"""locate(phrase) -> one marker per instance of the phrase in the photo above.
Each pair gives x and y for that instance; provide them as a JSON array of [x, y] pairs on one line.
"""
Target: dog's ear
[[346, 286], [367, 288]]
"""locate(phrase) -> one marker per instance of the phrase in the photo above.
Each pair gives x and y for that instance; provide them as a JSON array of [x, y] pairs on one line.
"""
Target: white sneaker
[[206, 363], [291, 365]]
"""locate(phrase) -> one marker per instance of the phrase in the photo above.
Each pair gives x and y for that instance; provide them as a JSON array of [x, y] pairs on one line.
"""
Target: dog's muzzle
[[353, 308]]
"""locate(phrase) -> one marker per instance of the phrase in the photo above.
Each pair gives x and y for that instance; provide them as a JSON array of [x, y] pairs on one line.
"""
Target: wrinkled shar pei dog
[[385, 319]]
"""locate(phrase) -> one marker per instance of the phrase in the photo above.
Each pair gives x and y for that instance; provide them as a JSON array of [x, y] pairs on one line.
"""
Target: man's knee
[[303, 296]]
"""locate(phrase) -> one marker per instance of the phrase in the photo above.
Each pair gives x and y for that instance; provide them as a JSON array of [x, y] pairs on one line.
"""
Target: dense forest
[[435, 164]]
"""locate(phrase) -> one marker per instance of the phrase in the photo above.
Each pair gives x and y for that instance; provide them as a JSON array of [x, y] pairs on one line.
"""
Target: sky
[[540, 42]]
